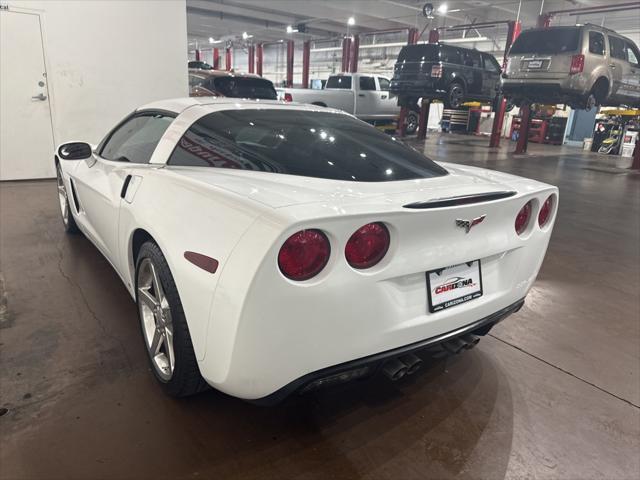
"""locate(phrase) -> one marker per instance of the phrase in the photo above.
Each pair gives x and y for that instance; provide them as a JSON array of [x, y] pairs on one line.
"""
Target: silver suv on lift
[[581, 66]]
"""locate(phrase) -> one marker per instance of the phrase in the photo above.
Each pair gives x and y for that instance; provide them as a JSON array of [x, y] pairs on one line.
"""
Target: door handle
[[361, 95], [612, 66], [42, 97], [383, 97]]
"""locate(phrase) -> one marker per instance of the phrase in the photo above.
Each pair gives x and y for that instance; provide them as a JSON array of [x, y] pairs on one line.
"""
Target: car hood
[[280, 190]]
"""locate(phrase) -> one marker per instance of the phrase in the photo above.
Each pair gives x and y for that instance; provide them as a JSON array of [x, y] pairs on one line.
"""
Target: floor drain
[[3, 411]]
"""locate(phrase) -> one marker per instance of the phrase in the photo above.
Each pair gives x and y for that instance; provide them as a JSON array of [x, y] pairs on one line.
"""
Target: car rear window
[[312, 144], [339, 81], [245, 87], [550, 40], [418, 53]]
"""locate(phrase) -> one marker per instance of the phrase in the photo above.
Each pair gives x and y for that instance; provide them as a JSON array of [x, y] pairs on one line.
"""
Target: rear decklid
[[544, 53], [279, 190]]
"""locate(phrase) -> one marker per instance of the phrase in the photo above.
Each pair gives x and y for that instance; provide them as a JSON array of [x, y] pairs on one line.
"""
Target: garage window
[[312, 144]]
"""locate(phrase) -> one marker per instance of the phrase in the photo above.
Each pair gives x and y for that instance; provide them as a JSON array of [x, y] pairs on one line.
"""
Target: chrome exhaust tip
[[412, 362], [394, 369]]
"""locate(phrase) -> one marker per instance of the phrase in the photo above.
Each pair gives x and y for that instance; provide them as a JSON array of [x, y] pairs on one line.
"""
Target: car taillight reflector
[[577, 64], [368, 245], [304, 254], [522, 219], [545, 211], [288, 97], [436, 71]]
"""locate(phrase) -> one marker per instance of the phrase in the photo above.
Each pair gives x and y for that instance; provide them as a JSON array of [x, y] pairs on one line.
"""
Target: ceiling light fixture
[[351, 21], [291, 29], [443, 8]]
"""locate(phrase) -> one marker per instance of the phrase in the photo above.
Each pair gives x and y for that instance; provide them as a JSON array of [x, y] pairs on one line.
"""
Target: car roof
[[222, 73], [179, 105]]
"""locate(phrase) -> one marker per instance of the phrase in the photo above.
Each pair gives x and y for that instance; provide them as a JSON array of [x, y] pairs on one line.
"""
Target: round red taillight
[[367, 246], [545, 211], [304, 254], [522, 219]]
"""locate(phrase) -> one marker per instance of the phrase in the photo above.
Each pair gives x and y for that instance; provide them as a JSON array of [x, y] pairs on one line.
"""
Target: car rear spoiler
[[460, 200]]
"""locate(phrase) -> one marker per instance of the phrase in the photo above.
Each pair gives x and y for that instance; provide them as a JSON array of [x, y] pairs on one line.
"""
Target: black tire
[[185, 379], [455, 96], [66, 212], [411, 121]]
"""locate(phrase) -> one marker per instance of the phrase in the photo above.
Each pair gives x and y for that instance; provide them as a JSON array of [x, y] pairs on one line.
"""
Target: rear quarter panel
[[183, 215]]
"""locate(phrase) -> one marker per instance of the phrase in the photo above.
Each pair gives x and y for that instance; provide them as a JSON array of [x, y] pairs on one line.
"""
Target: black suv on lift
[[452, 74]]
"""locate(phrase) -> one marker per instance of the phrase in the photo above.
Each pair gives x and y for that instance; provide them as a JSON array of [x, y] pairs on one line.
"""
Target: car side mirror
[[74, 151]]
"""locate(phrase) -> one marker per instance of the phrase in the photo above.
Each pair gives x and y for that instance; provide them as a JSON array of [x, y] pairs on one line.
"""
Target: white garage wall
[[105, 58]]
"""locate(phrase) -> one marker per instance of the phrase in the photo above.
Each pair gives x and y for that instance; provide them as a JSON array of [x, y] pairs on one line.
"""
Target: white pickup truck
[[363, 95]]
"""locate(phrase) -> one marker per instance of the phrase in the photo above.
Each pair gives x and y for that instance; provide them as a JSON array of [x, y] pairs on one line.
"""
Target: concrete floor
[[553, 392]]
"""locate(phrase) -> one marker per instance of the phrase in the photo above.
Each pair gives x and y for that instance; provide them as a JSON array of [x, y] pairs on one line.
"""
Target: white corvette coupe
[[275, 248]]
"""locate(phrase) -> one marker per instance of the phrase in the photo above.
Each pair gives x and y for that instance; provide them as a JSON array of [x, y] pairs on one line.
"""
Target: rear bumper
[[545, 90], [373, 363], [426, 87]]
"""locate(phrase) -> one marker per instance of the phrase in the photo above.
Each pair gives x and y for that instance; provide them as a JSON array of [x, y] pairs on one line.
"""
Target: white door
[[388, 103], [26, 137]]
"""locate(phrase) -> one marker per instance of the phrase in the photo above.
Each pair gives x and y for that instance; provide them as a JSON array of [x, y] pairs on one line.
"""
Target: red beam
[[306, 56], [259, 54], [290, 47], [434, 36], [227, 59], [424, 119], [355, 53], [346, 49], [216, 59], [197, 55], [252, 58], [402, 127]]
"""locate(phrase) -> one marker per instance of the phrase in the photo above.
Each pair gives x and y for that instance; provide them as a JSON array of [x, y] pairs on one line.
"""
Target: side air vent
[[74, 194], [460, 200]]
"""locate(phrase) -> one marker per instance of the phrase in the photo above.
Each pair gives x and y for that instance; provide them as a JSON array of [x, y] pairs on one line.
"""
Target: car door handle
[[383, 97], [42, 97], [125, 185], [612, 66], [361, 94]]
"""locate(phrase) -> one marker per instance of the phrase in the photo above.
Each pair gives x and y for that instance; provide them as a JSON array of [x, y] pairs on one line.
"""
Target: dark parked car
[[220, 83], [452, 74], [199, 65]]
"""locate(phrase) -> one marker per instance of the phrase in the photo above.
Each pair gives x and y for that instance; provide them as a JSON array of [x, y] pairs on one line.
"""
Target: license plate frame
[[442, 276]]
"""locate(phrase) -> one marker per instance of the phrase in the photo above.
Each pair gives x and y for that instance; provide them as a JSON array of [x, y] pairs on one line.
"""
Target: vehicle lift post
[[259, 55], [401, 129], [227, 59], [306, 56], [523, 133], [216, 59], [346, 51], [424, 118], [290, 47], [251, 53], [514, 28]]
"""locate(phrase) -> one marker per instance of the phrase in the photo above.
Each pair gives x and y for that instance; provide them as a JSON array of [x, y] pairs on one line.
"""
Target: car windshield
[[245, 87], [551, 40], [418, 53], [296, 142]]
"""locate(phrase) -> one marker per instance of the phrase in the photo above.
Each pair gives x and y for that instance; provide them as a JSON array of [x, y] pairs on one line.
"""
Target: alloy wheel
[[456, 96], [155, 315]]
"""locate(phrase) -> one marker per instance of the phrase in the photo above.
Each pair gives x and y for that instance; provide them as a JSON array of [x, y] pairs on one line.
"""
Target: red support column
[[197, 55], [259, 53], [424, 118], [216, 59], [227, 59], [355, 53], [306, 57], [290, 47], [413, 36], [434, 36], [523, 134], [544, 20], [402, 127], [498, 119], [346, 49], [252, 58]]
